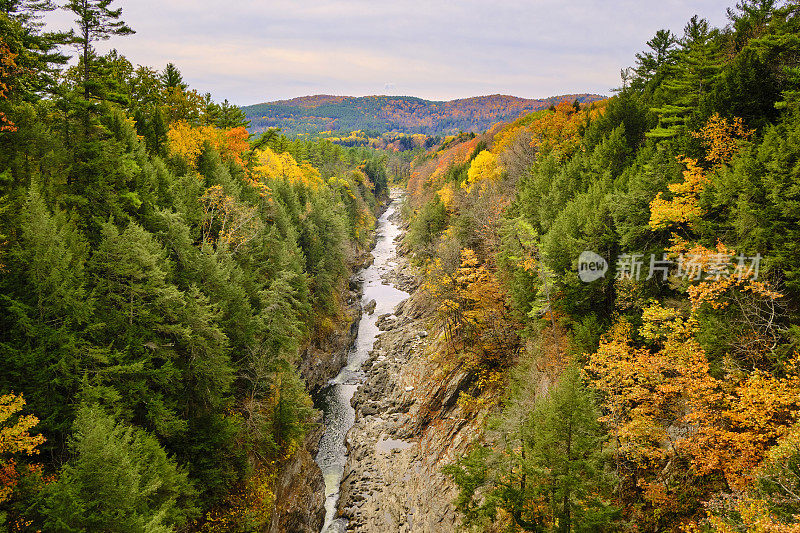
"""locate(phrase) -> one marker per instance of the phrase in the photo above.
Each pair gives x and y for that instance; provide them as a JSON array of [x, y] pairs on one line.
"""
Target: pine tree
[[54, 256], [562, 459], [44, 307], [552, 477], [650, 64], [171, 78], [689, 78], [118, 480], [748, 19], [96, 21], [37, 53]]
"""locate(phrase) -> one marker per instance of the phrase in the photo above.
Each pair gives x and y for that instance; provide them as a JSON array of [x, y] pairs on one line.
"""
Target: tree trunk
[[86, 62]]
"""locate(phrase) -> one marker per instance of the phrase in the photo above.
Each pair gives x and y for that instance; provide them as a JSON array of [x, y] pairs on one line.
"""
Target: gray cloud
[[251, 51]]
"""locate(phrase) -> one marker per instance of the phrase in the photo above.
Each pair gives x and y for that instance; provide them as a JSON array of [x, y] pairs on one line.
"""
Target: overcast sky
[[251, 51]]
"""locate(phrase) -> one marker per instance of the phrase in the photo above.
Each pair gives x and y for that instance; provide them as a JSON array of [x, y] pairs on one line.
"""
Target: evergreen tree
[[38, 56], [97, 21], [171, 78], [650, 64], [554, 477], [690, 77], [227, 116], [748, 19], [118, 480], [45, 306]]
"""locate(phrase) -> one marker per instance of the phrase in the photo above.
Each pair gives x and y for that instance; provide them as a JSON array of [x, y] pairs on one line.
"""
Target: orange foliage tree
[[722, 138], [664, 405], [7, 67], [475, 315], [188, 141]]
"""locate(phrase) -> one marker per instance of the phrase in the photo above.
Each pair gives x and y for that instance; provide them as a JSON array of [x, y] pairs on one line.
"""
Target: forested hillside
[[382, 114], [621, 280], [160, 273]]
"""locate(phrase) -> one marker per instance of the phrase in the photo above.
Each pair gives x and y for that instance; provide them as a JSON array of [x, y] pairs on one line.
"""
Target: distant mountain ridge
[[406, 114]]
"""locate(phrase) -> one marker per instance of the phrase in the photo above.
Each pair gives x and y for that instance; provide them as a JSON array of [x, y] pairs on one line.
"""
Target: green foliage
[[687, 79], [96, 21], [427, 225], [759, 194], [552, 474], [118, 479], [120, 291]]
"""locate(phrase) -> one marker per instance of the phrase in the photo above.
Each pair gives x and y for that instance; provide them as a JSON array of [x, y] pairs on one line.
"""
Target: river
[[334, 399]]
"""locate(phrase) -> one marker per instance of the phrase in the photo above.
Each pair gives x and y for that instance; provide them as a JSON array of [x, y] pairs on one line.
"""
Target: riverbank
[[408, 425], [376, 297], [300, 488]]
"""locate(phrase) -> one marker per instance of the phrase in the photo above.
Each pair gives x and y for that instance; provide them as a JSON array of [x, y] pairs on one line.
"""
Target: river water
[[334, 399]]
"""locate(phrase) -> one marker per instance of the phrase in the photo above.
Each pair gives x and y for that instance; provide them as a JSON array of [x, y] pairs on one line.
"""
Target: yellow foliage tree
[[15, 439], [484, 168], [560, 129], [476, 317], [684, 206], [270, 165], [446, 196], [646, 391], [228, 223]]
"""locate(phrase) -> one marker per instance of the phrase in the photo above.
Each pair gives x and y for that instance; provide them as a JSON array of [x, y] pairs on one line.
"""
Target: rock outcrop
[[300, 492]]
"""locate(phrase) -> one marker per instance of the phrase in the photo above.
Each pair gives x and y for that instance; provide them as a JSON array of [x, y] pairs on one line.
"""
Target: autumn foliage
[[16, 442], [683, 207], [271, 165], [722, 138], [188, 141], [7, 67]]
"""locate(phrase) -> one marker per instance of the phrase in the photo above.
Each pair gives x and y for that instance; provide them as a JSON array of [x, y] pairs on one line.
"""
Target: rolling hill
[[406, 114]]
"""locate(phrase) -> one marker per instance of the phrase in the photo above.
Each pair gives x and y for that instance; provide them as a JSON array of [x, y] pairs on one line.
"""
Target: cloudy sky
[[251, 51]]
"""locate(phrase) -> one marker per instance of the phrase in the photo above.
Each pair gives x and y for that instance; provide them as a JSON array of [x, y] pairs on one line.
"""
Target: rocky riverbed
[[407, 427], [300, 486]]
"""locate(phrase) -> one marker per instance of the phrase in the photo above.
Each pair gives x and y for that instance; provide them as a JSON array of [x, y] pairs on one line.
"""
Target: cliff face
[[300, 492], [323, 360], [300, 487], [408, 426]]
